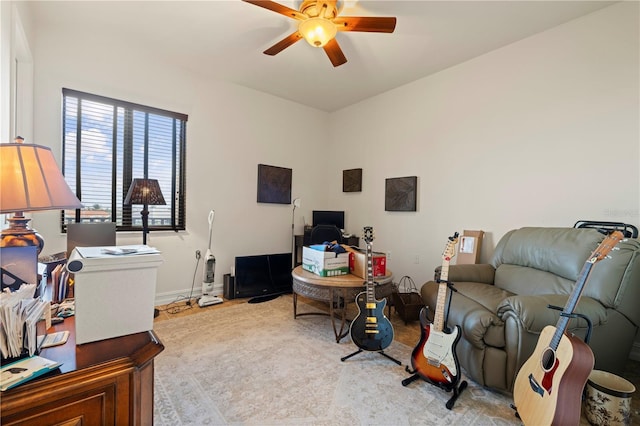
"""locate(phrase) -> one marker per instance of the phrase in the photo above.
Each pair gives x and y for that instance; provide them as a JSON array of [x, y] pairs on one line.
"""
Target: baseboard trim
[[182, 295]]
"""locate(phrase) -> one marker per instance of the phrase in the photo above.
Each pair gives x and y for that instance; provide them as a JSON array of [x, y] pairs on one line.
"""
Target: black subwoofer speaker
[[229, 287]]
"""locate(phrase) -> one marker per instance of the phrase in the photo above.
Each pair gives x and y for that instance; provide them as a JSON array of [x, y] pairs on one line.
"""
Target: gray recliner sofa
[[503, 306]]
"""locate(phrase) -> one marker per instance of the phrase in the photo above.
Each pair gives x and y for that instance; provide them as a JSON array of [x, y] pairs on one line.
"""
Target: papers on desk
[[110, 251], [24, 370], [19, 316]]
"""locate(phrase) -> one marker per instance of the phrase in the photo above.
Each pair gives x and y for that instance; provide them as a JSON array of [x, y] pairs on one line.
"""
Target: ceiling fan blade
[[278, 8], [283, 44], [366, 24], [332, 48]]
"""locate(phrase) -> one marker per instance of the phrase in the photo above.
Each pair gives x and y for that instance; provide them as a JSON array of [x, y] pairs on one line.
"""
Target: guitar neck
[[438, 316], [370, 285], [571, 304]]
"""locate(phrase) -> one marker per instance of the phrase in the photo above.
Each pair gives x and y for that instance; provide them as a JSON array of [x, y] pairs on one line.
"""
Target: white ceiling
[[224, 39]]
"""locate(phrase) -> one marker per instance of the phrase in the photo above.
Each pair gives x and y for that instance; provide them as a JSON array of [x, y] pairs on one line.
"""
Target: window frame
[[123, 215]]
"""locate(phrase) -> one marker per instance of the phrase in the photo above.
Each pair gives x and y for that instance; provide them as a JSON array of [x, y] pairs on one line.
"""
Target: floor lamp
[[296, 204], [146, 192]]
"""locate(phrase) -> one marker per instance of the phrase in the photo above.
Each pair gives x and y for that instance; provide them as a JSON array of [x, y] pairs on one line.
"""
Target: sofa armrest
[[533, 312], [475, 273]]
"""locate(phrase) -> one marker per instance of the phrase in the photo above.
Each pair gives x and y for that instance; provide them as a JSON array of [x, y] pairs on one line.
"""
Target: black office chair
[[322, 233]]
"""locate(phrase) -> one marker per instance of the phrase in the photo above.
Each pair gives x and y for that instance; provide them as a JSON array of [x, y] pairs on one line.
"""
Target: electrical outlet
[[416, 259], [388, 256], [198, 254]]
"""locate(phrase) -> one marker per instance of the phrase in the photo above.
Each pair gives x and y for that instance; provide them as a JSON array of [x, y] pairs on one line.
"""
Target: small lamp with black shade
[[146, 192], [30, 180]]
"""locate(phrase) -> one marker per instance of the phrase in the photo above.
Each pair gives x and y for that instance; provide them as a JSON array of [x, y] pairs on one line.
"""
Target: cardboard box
[[358, 263], [114, 296], [325, 263], [469, 247]]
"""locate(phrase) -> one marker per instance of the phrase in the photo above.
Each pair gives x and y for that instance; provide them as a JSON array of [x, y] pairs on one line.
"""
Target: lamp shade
[[317, 31], [30, 180], [144, 191]]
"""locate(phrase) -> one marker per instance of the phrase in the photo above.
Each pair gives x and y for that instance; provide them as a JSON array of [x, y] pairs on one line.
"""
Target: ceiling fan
[[319, 23]]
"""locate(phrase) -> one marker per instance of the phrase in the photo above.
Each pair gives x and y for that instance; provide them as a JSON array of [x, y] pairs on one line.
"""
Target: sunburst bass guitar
[[548, 387], [434, 358], [370, 330]]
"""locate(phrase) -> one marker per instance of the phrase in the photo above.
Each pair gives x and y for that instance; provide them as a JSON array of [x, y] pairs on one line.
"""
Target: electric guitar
[[370, 330], [548, 387], [434, 358]]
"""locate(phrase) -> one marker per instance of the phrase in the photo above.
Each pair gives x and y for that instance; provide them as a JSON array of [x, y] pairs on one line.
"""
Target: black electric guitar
[[434, 358], [370, 330], [548, 387]]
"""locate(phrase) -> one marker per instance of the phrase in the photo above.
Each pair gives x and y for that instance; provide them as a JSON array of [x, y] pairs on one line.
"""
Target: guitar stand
[[456, 388], [587, 336], [344, 358]]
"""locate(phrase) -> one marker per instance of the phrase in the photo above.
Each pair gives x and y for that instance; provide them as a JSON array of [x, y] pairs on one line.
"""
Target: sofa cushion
[[530, 281]]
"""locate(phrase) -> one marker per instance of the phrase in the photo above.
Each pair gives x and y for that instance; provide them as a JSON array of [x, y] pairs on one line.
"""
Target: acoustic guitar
[[370, 330], [434, 358], [548, 387]]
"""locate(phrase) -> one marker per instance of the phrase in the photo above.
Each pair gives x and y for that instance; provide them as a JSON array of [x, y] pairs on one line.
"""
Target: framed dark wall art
[[274, 184], [352, 180], [400, 194]]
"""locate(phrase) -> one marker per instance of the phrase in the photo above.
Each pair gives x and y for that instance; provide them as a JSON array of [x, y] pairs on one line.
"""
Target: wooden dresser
[[109, 382]]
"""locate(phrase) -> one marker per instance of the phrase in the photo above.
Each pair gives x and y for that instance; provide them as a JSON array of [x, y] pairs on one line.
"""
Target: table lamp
[[30, 180], [146, 192]]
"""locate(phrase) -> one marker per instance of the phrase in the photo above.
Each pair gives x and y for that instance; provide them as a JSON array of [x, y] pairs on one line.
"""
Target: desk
[[109, 382], [338, 292], [303, 240]]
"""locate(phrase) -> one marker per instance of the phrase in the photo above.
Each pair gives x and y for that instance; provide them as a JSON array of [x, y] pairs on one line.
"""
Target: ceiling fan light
[[317, 31]]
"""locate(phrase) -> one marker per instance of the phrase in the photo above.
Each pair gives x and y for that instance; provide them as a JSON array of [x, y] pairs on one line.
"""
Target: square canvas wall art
[[274, 184]]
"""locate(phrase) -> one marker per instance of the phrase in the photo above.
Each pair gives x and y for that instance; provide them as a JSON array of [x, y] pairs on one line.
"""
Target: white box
[[114, 295], [325, 263]]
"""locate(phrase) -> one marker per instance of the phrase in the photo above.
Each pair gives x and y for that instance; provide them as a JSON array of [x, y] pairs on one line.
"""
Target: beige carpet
[[255, 364]]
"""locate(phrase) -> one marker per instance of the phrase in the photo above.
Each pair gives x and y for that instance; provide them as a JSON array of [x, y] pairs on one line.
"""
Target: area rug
[[254, 364]]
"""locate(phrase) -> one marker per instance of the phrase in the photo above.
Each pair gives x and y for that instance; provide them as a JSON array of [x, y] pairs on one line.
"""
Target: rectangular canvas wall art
[[352, 180]]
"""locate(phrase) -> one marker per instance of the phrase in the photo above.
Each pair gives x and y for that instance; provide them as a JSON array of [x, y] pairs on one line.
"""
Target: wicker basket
[[407, 301]]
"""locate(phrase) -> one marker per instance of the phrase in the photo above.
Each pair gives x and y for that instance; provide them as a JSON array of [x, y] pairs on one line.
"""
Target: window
[[106, 144]]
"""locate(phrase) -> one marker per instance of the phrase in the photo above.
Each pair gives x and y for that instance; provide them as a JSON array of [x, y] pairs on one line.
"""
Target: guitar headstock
[[606, 246], [367, 234], [450, 249]]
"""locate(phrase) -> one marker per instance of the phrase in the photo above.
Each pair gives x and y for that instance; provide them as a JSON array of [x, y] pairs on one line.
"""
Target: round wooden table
[[337, 291]]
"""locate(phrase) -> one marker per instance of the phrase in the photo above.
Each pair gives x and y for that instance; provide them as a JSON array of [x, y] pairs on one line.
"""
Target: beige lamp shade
[[30, 180]]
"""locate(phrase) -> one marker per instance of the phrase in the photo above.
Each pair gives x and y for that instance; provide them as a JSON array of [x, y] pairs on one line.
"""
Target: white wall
[[543, 132], [230, 131]]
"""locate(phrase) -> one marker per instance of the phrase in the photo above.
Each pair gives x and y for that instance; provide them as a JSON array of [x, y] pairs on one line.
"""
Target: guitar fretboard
[[449, 252], [370, 285]]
